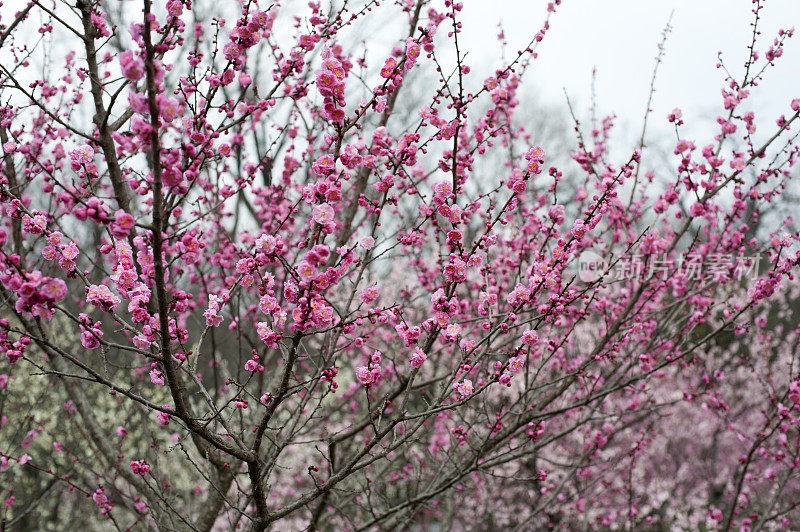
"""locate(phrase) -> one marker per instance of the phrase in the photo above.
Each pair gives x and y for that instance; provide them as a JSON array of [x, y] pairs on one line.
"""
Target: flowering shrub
[[245, 287]]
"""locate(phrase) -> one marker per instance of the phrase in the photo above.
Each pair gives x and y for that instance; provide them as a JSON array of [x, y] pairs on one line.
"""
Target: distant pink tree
[[257, 276]]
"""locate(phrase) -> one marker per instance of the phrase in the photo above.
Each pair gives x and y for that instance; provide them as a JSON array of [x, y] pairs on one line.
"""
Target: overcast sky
[[620, 38]]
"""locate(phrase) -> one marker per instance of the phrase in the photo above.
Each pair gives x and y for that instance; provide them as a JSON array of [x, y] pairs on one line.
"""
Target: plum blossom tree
[[243, 289]]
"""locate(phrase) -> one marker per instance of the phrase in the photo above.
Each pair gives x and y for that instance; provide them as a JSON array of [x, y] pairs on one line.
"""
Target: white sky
[[620, 38]]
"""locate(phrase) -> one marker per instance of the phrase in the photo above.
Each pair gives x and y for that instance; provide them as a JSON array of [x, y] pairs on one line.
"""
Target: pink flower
[[350, 156], [101, 500], [101, 296], [156, 377], [697, 209], [368, 295], [245, 265], [321, 312], [69, 251], [213, 319], [35, 225], [55, 289], [174, 8], [388, 67], [364, 375], [579, 229], [323, 214], [412, 52], [325, 79], [82, 154], [452, 331], [306, 271], [515, 364], [463, 389], [417, 358], [324, 166], [163, 417], [139, 467], [252, 365], [231, 51], [456, 271], [530, 337], [738, 163], [141, 341], [89, 340], [266, 243], [366, 243], [442, 189], [535, 158], [556, 214], [267, 335], [122, 224], [131, 65]]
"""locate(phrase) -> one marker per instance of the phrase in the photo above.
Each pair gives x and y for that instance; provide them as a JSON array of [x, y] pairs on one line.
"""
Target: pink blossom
[[388, 67], [412, 52], [101, 296], [364, 375], [252, 365], [267, 335], [370, 294], [156, 377], [530, 337], [323, 214], [122, 224], [266, 243], [417, 358], [82, 154], [89, 340], [139, 467], [367, 242], [463, 389], [132, 66], [515, 364], [556, 214], [162, 417]]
